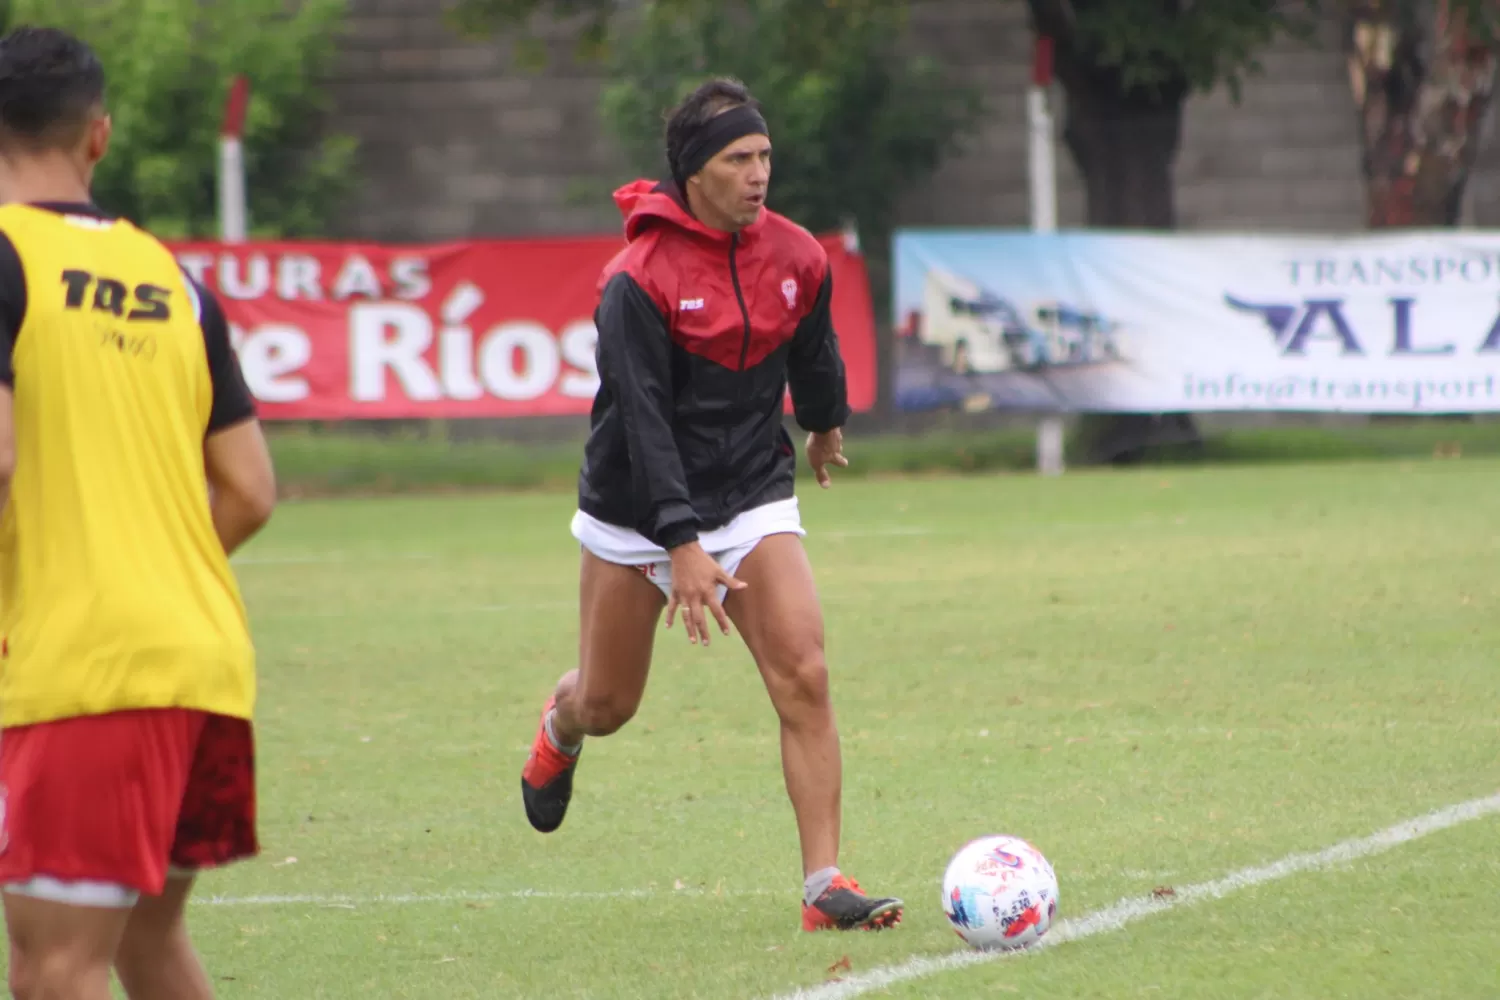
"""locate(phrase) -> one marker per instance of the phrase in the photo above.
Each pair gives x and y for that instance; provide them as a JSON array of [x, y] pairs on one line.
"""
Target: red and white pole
[[1043, 173], [233, 211], [1042, 144]]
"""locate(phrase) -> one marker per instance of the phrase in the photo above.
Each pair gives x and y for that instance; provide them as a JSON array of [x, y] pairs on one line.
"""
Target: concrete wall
[[458, 141]]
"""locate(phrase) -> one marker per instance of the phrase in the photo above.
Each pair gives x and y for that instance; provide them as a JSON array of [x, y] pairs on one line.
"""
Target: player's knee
[[604, 713], [148, 954], [142, 949], [22, 982], [802, 685], [60, 973]]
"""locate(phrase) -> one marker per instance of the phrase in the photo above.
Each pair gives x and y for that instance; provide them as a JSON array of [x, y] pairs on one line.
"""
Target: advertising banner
[[1093, 322], [344, 331]]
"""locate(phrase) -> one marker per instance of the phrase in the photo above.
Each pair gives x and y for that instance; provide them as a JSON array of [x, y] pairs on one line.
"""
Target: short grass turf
[[1157, 676]]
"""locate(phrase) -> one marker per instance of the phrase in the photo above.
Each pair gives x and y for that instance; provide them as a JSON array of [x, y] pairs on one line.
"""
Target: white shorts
[[86, 892], [728, 545], [83, 892]]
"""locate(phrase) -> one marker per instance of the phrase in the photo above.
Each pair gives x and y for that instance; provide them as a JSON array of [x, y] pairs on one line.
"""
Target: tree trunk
[[1125, 151], [1124, 142], [1422, 86]]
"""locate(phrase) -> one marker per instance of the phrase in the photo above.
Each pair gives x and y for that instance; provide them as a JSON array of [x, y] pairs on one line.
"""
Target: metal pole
[[233, 223], [1043, 172]]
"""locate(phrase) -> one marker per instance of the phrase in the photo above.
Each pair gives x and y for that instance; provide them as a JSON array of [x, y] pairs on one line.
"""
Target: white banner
[[1096, 322]]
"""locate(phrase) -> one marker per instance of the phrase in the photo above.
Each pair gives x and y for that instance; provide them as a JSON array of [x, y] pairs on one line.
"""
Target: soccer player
[[686, 498], [131, 464]]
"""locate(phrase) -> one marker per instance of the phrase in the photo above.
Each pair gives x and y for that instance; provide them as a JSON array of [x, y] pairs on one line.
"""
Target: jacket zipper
[[734, 276], [739, 294]]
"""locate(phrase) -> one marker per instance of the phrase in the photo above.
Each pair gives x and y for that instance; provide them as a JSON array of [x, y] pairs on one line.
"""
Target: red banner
[[346, 331]]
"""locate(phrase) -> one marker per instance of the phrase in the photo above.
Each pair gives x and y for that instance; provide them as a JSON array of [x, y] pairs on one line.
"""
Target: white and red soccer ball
[[1000, 893]]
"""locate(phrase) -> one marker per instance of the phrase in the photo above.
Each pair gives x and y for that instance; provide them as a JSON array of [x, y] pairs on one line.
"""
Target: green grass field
[[1159, 677]]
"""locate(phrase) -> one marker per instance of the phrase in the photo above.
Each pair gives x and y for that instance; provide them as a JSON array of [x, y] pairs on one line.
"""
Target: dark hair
[[50, 83], [696, 109]]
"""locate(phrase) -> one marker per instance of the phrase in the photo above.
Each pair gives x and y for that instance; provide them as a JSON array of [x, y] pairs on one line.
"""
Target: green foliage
[[1209, 42], [854, 121], [170, 64], [1154, 44], [1480, 17], [480, 17]]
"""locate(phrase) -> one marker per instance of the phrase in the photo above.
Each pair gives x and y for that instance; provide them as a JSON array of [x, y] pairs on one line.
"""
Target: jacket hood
[[644, 203]]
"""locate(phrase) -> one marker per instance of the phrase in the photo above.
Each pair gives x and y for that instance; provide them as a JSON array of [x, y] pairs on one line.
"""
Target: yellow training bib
[[115, 592]]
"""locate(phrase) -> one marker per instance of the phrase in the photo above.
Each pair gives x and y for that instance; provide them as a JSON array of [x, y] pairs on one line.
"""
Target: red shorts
[[120, 798]]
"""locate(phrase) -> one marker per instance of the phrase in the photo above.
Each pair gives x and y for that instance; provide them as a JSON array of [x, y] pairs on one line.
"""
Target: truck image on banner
[[978, 331]]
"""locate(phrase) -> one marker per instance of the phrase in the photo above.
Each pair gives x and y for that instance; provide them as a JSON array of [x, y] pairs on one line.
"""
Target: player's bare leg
[[156, 959], [781, 621], [618, 613], [59, 951]]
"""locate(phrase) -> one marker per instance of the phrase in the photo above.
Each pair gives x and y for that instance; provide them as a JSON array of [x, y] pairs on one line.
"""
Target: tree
[[169, 65], [1127, 68], [855, 123], [854, 120], [1422, 72], [1423, 75]]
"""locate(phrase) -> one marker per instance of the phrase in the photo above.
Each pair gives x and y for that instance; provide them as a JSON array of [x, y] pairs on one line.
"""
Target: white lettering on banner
[[299, 277], [410, 277], [456, 343], [580, 339], [269, 355], [196, 264], [518, 360], [538, 369], [255, 283], [357, 277], [390, 335]]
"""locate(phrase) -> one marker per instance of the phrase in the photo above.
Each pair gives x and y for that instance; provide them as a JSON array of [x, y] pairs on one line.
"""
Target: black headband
[[713, 135]]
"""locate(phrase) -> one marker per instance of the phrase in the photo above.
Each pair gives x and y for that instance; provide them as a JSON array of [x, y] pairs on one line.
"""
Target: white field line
[[462, 610], [328, 558], [409, 898], [333, 558], [1114, 918], [890, 531]]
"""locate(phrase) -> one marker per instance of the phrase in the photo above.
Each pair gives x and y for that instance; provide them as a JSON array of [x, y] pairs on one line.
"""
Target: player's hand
[[696, 578], [824, 450]]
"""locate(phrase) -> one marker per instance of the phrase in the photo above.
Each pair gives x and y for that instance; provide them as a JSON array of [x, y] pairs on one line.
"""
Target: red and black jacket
[[700, 333]]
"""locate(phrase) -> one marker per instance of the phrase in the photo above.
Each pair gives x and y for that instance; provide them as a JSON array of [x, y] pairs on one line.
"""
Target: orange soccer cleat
[[547, 779], [844, 906]]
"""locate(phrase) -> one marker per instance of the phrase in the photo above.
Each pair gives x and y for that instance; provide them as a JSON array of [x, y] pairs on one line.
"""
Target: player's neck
[[32, 180]]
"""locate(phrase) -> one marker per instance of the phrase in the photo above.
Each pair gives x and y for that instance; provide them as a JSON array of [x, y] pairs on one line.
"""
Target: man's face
[[733, 184]]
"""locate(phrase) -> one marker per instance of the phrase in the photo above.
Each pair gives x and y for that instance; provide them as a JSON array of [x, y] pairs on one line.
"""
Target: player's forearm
[[657, 467], [815, 369], [820, 392], [822, 405], [241, 482], [237, 518]]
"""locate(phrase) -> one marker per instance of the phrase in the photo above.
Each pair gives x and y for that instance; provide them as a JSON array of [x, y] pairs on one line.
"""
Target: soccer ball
[[1000, 893]]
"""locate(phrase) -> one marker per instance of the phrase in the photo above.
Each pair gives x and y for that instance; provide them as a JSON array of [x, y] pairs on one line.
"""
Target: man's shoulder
[[640, 261], [794, 241]]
